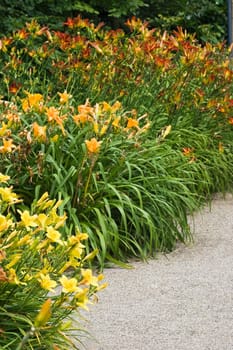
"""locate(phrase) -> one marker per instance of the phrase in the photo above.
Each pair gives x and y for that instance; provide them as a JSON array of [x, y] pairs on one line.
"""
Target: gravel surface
[[181, 301]]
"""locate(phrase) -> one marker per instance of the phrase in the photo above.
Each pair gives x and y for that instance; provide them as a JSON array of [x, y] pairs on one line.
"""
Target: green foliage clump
[[133, 130]]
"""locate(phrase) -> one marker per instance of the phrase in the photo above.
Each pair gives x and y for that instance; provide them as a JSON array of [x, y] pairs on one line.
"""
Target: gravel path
[[182, 301]]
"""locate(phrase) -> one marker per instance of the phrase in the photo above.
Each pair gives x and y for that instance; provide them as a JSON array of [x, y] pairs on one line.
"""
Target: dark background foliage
[[208, 18]]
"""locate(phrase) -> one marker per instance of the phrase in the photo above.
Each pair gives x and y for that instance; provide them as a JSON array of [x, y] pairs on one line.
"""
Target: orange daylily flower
[[85, 109], [187, 151], [53, 114], [93, 146], [81, 118], [8, 146], [132, 123], [39, 132], [31, 101], [230, 120]]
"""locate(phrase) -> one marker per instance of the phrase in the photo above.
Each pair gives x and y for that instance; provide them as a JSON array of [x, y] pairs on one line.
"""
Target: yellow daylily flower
[[69, 284], [76, 251], [82, 298], [4, 178], [42, 220], [64, 97], [27, 219], [88, 278], [116, 106], [103, 130], [4, 223], [72, 262], [102, 286], [46, 282], [54, 235], [77, 238], [55, 219], [4, 131], [116, 122], [8, 196]]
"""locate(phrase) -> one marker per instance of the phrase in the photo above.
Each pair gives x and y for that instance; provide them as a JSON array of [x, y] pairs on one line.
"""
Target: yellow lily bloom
[[82, 298], [54, 235], [69, 284], [27, 219], [88, 278], [46, 282], [64, 97], [4, 223], [8, 196], [4, 178]]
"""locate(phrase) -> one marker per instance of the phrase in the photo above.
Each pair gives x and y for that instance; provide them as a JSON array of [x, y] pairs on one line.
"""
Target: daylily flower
[[88, 278], [27, 219], [132, 123], [31, 101], [3, 223], [4, 178], [54, 235], [53, 115], [76, 251], [8, 146], [46, 282], [69, 284], [8, 196], [64, 97], [39, 132], [93, 146], [4, 131], [13, 278], [82, 298]]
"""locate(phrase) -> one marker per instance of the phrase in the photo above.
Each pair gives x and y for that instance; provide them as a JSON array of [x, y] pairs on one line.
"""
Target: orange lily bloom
[[39, 132], [7, 147], [93, 146], [132, 123], [53, 114]]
